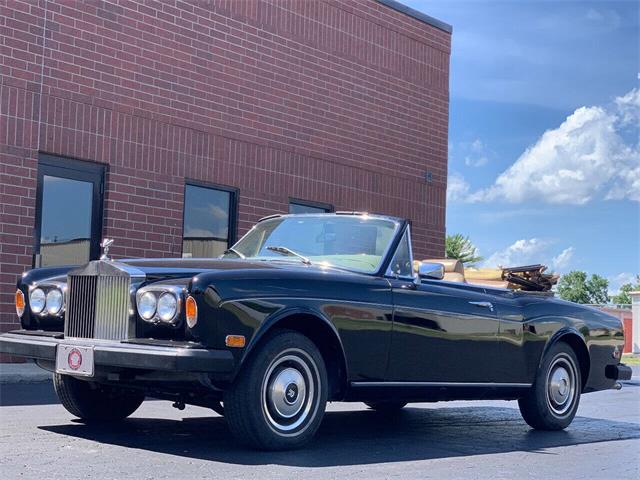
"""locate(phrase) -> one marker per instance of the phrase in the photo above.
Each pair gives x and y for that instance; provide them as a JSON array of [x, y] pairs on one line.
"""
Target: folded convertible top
[[528, 277]]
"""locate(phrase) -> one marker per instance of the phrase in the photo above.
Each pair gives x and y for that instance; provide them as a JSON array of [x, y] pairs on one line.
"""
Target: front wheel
[[278, 400], [90, 401], [554, 397]]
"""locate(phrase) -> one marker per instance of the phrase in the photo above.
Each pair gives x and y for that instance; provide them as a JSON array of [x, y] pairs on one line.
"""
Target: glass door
[[68, 211]]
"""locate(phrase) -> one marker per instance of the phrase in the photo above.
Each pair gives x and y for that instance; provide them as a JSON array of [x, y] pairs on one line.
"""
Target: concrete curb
[[22, 373]]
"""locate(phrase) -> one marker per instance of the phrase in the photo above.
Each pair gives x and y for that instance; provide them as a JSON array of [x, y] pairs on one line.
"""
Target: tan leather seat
[[489, 283], [453, 269], [486, 277]]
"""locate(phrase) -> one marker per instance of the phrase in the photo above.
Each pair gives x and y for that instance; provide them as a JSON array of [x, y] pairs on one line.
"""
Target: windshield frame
[[399, 229]]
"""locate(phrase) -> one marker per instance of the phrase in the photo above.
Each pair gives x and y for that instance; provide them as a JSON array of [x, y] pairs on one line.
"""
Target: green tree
[[598, 288], [577, 287], [460, 247], [623, 297]]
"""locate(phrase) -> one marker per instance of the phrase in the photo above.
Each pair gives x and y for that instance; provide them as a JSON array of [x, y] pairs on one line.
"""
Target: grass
[[631, 359]]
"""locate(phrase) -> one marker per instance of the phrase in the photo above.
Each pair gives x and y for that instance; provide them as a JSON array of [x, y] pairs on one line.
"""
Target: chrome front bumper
[[180, 357]]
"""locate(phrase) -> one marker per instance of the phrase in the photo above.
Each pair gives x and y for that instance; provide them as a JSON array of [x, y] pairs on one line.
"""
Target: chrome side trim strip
[[442, 313], [371, 304], [313, 299], [521, 322], [441, 384]]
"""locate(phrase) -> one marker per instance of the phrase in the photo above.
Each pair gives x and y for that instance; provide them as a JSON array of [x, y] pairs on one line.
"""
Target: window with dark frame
[[209, 220], [69, 201], [305, 206]]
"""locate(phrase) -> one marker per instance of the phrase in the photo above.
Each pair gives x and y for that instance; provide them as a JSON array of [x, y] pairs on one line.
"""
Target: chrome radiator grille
[[97, 307]]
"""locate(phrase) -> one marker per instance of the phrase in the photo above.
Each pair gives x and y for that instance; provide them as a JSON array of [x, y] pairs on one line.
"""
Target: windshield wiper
[[233, 250], [288, 251]]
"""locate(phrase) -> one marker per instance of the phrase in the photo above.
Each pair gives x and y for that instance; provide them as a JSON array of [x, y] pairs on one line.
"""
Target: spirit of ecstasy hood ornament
[[106, 244]]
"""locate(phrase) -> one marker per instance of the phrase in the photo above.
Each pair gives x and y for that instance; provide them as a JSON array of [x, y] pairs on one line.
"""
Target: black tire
[[554, 397], [278, 399], [90, 401], [386, 407]]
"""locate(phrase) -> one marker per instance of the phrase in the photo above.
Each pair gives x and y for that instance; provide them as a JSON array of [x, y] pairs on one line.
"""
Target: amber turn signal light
[[235, 341], [191, 311], [20, 302]]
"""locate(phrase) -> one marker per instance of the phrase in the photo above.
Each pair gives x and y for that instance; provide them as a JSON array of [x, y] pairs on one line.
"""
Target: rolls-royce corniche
[[302, 310]]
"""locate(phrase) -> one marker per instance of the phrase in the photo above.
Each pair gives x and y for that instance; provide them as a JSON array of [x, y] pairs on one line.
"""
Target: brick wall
[[338, 101]]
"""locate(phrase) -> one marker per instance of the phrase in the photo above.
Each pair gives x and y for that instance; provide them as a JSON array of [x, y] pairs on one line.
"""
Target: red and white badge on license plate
[[74, 360]]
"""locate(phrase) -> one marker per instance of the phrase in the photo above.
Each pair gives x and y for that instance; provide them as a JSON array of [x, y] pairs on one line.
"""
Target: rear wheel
[[90, 401], [278, 400], [386, 407], [554, 397]]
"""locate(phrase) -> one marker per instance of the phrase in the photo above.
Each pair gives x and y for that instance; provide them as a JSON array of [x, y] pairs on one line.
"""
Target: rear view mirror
[[434, 271]]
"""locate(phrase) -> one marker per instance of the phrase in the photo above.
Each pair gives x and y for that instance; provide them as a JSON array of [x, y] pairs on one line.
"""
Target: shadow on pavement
[[358, 437], [40, 393]]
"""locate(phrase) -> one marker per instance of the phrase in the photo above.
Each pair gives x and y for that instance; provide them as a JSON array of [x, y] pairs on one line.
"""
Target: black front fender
[[307, 320]]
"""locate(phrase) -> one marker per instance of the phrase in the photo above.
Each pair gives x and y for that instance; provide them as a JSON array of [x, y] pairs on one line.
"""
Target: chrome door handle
[[488, 305]]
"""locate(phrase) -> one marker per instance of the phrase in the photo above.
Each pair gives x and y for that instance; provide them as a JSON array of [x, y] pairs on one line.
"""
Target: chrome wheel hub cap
[[287, 391], [561, 386], [290, 389]]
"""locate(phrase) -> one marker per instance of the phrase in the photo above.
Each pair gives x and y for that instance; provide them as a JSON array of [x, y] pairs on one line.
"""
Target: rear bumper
[[181, 358], [618, 372]]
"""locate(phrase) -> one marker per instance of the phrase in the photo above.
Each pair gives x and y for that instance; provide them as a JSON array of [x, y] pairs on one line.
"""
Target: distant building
[[629, 320], [635, 308]]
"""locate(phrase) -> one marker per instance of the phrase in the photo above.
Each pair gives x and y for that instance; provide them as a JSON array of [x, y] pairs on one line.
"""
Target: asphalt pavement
[[40, 440]]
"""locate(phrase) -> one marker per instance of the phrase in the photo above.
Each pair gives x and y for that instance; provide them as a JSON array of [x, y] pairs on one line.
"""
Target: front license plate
[[74, 360]]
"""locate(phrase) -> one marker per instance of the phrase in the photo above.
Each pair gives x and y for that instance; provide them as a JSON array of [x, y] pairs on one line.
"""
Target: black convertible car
[[306, 309]]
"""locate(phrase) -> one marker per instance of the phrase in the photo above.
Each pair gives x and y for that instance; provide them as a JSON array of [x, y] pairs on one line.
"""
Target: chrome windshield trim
[[389, 273], [384, 258]]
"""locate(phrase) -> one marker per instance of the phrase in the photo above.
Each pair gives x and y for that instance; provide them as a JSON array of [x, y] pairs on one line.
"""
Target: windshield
[[353, 242]]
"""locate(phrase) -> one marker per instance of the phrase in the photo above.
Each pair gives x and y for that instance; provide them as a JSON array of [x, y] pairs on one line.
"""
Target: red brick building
[[117, 116]]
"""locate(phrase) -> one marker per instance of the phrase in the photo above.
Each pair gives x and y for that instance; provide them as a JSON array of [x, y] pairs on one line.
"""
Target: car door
[[518, 350], [442, 332]]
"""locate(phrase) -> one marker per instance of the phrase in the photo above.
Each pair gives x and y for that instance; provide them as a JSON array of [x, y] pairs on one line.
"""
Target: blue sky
[[544, 158]]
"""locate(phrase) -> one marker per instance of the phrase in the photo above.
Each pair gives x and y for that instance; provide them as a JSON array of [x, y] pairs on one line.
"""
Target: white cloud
[[586, 157], [522, 252], [529, 252], [477, 156], [608, 18], [617, 281], [457, 188], [628, 107], [561, 261]]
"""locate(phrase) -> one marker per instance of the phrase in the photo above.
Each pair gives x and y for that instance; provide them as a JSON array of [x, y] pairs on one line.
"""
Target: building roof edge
[[423, 17]]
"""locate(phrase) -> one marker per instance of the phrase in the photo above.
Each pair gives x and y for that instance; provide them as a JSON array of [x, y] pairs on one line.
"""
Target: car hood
[[183, 267]]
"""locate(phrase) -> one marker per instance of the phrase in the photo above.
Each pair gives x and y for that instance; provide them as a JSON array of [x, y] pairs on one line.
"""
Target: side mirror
[[434, 271]]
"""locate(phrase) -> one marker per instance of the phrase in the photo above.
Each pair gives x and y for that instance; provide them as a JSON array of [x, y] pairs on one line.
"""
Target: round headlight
[[167, 307], [54, 301], [147, 305], [37, 300]]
